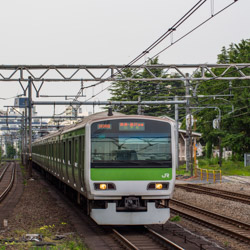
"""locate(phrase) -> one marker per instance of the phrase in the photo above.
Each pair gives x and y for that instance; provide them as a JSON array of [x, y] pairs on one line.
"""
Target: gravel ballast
[[232, 209], [39, 212]]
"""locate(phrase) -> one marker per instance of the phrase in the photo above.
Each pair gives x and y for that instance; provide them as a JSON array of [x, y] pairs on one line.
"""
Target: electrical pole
[[25, 135], [177, 132], [220, 148], [188, 126], [30, 126], [22, 138]]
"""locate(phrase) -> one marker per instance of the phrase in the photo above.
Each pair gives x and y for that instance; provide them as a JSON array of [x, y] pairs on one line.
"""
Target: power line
[[169, 31], [198, 26], [159, 40]]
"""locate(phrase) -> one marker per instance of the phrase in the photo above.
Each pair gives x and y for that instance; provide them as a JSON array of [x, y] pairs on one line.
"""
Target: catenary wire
[[94, 85]]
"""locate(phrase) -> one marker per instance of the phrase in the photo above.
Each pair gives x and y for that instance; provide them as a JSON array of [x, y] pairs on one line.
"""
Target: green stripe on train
[[131, 174]]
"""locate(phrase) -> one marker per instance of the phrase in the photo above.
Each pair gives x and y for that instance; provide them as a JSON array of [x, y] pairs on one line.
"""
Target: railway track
[[143, 238], [230, 227], [7, 178], [243, 198]]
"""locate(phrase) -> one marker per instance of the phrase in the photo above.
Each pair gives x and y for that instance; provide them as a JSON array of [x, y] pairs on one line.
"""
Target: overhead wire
[[159, 40], [151, 58]]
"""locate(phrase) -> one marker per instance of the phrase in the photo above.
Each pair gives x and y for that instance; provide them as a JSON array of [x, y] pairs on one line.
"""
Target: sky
[[94, 32]]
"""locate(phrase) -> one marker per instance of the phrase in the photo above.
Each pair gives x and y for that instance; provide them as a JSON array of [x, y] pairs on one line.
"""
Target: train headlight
[[104, 186], [157, 186]]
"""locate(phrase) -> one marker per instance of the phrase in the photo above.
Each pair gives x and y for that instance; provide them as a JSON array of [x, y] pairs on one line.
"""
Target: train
[[121, 166]]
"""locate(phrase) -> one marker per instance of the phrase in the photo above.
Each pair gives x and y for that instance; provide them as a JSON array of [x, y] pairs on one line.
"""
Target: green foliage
[[233, 133], [175, 218], [147, 91], [235, 121], [229, 167], [11, 151], [209, 149], [182, 171]]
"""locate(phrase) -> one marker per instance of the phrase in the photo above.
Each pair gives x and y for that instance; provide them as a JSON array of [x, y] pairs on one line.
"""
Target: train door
[[70, 162], [75, 161], [52, 156], [61, 159], [49, 155], [56, 158], [81, 162], [67, 162], [64, 175]]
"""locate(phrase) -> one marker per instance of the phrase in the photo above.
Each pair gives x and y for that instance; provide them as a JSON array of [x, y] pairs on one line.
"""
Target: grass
[[175, 218], [72, 241], [229, 167]]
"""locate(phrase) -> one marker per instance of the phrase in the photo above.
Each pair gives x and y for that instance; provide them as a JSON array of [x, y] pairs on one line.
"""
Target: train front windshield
[[131, 143]]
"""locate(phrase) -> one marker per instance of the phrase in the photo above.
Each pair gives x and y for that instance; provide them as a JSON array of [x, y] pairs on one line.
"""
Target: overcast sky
[[110, 32]]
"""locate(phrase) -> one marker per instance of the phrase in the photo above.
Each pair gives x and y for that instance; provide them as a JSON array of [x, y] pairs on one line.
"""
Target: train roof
[[97, 116]]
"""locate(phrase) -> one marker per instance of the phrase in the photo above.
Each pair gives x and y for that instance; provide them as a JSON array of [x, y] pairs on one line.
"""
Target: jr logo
[[165, 175]]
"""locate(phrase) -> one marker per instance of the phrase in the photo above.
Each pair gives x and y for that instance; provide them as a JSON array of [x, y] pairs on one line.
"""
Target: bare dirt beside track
[[37, 212]]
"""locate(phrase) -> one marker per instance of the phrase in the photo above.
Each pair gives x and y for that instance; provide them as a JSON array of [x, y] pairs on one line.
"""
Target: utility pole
[[25, 135], [22, 138], [30, 126], [177, 132], [188, 129], [220, 148]]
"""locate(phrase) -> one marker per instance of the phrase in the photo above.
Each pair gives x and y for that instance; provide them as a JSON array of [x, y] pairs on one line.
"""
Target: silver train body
[[122, 165]]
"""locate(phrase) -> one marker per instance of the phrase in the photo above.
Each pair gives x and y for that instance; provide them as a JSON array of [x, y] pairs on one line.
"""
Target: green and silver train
[[122, 165]]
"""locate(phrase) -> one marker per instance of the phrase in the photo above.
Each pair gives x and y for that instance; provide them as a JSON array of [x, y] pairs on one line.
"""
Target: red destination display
[[104, 126], [131, 126]]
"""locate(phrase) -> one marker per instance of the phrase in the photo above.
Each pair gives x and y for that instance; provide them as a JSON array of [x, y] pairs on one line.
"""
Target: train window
[[131, 147]]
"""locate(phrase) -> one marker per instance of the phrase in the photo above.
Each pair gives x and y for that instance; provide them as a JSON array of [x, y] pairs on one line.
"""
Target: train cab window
[[131, 143]]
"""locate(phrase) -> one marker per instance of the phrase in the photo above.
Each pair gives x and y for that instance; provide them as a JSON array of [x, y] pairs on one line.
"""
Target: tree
[[147, 91], [234, 127], [10, 151]]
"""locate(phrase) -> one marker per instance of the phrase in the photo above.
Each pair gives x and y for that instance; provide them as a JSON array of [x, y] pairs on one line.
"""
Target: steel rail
[[10, 185], [243, 198], [126, 241], [2, 174], [236, 194], [151, 234], [223, 224], [165, 240]]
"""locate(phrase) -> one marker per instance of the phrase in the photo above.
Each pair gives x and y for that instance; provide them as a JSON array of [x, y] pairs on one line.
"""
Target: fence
[[208, 174]]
